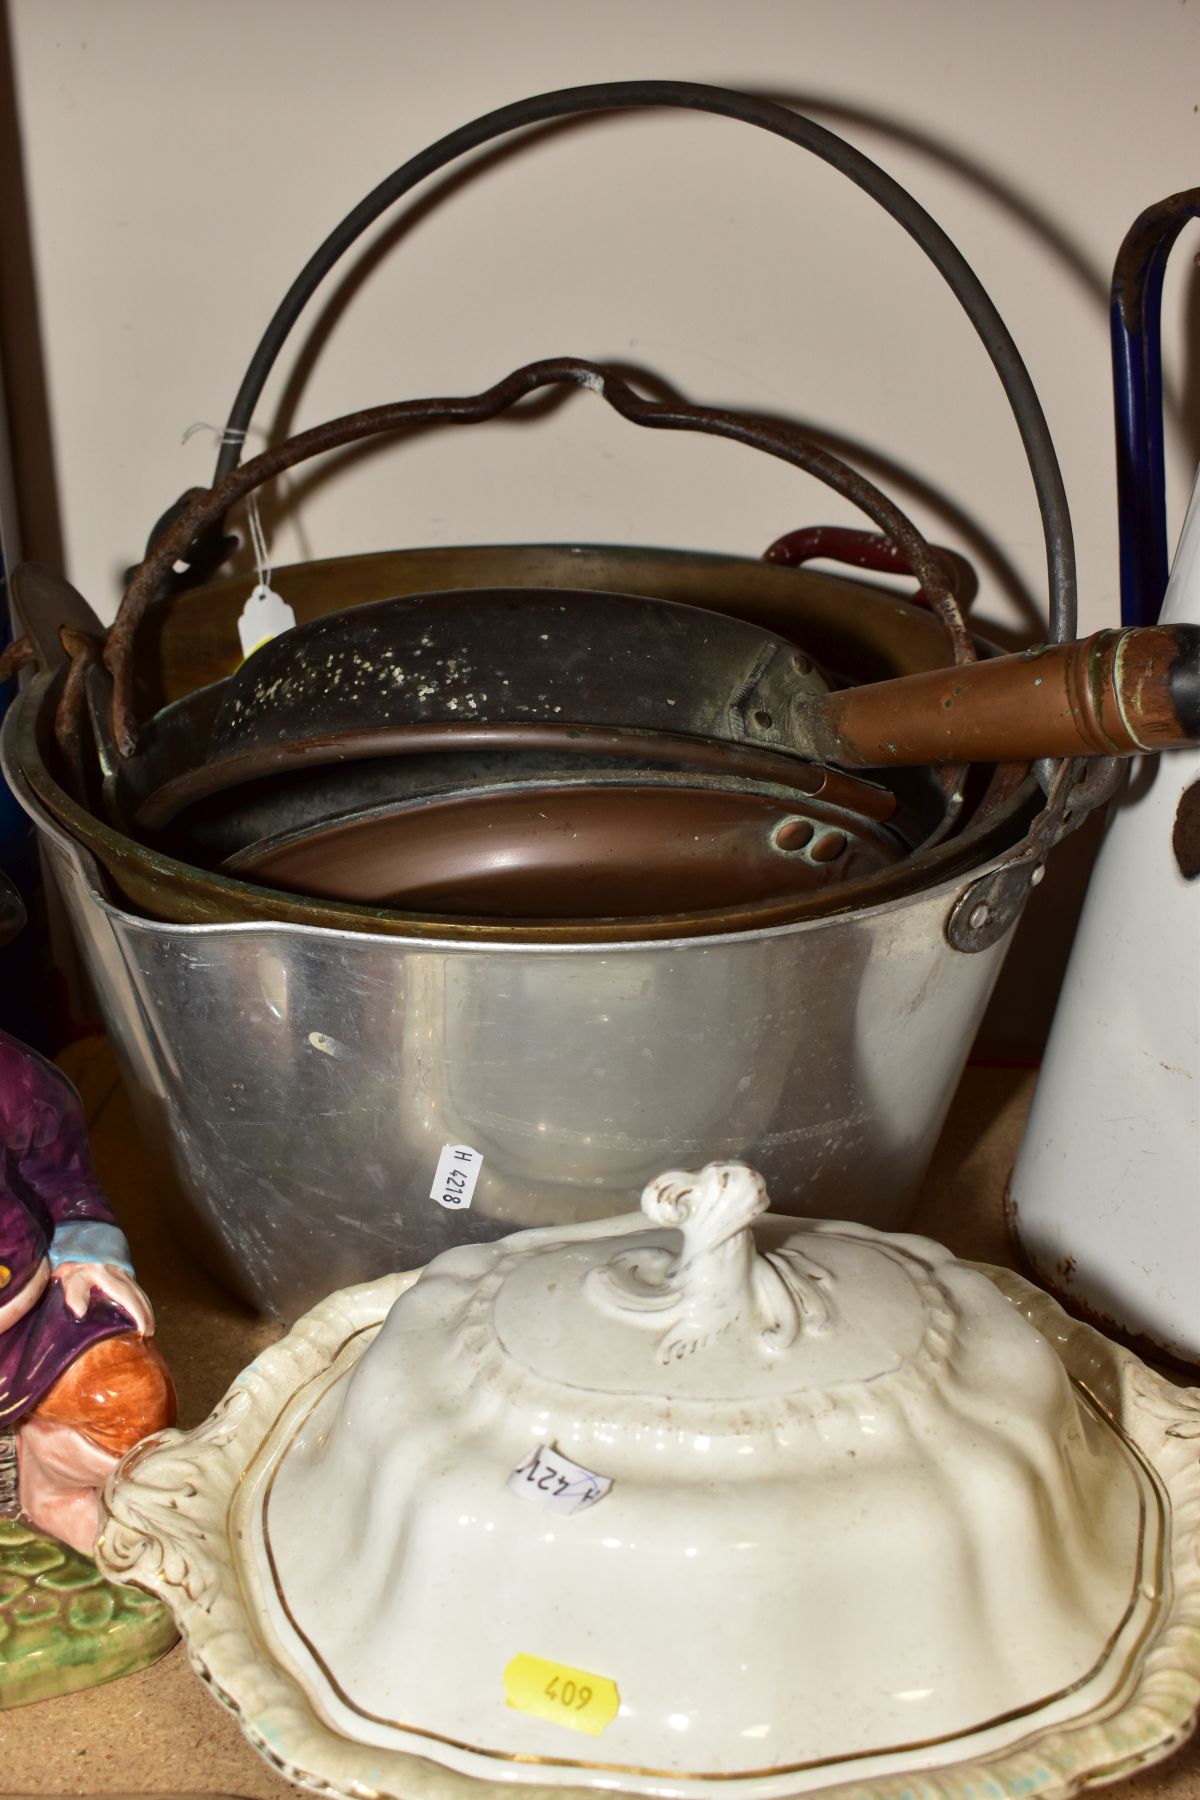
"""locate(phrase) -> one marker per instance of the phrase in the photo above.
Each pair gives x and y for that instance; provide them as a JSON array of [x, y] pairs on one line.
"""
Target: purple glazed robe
[[52, 1208]]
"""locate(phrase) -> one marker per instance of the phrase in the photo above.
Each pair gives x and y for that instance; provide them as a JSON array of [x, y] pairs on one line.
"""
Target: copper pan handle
[[1112, 694]]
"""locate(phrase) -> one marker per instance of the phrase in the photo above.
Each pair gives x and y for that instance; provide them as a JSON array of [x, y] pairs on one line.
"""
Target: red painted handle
[[865, 550]]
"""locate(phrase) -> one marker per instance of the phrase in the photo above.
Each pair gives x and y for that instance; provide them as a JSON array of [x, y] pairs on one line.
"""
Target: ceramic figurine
[[80, 1383], [80, 1379]]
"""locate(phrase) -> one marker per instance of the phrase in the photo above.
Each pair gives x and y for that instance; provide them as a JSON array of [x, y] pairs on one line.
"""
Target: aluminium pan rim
[[91, 870]]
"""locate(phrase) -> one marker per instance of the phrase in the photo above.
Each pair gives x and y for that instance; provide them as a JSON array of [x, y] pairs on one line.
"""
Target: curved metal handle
[[765, 115], [862, 550], [1136, 307], [206, 507]]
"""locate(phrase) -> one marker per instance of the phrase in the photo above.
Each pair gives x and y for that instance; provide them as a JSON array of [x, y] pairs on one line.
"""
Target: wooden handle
[[1109, 695]]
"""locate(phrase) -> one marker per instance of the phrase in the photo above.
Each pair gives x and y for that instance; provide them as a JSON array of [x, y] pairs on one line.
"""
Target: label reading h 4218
[[455, 1177]]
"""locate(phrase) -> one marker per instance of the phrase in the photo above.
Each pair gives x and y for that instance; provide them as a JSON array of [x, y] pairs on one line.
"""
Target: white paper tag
[[455, 1177], [553, 1481], [265, 615]]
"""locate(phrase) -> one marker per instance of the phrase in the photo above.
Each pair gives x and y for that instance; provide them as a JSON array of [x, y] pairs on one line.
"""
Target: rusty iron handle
[[1111, 694], [207, 506]]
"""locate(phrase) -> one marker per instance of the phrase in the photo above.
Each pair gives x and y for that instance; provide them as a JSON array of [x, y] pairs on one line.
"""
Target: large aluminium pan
[[301, 1084], [300, 1076]]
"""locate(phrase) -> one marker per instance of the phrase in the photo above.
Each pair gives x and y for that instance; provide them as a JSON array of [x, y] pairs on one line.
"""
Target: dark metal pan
[[855, 629], [429, 671]]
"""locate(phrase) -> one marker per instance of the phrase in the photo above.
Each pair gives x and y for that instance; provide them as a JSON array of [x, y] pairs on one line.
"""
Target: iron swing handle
[[780, 121]]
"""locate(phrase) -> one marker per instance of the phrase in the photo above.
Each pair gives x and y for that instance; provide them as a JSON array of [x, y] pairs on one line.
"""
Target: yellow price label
[[565, 1696]]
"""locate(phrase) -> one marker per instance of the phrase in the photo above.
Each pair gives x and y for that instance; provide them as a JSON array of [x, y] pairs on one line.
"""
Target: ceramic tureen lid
[[692, 1497]]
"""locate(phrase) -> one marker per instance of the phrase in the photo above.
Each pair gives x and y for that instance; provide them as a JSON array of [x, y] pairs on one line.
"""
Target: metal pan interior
[[588, 847]]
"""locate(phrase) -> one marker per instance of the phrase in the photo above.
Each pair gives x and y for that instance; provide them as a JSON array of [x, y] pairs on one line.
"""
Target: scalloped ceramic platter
[[251, 1565]]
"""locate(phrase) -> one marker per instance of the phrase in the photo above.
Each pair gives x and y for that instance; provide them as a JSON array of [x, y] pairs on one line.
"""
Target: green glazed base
[[62, 1625]]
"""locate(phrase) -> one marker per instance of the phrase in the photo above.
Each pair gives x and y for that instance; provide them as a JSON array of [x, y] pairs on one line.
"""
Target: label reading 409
[[572, 1697]]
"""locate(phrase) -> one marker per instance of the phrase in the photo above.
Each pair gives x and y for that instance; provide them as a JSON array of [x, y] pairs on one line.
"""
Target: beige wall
[[184, 156]]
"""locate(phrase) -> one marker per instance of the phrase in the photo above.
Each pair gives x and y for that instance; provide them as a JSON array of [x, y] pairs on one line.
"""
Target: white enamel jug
[[1105, 1196]]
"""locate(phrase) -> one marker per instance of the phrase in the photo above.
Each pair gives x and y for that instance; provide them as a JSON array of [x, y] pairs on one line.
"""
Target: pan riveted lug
[[770, 706], [991, 906]]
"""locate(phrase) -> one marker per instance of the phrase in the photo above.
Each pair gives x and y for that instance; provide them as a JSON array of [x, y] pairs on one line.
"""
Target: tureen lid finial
[[719, 1280]]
